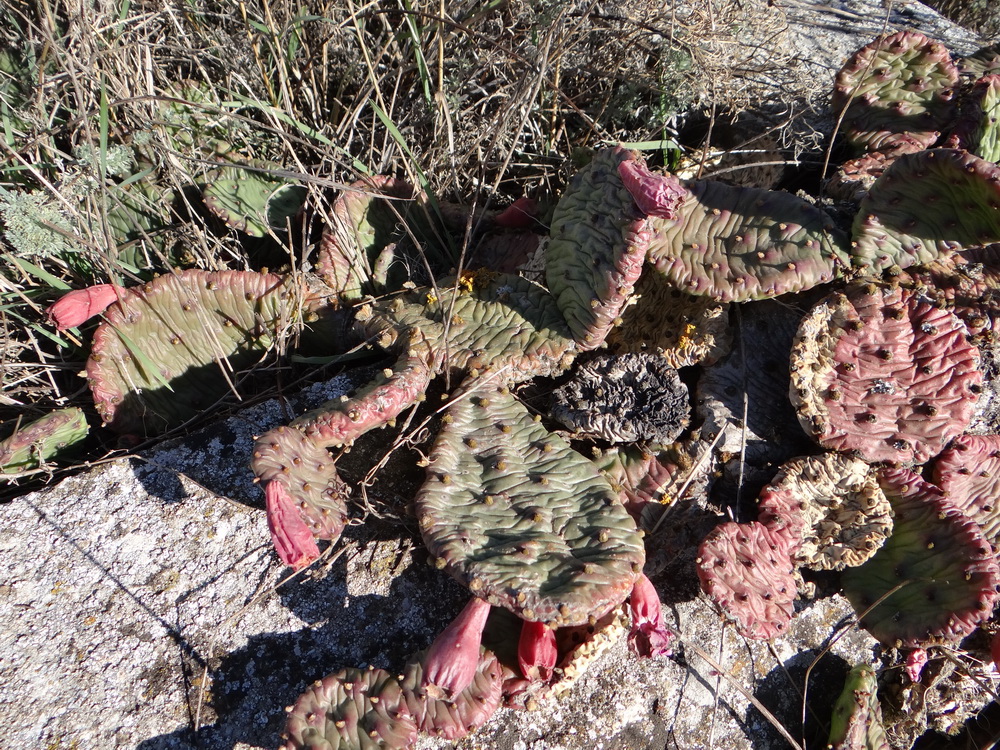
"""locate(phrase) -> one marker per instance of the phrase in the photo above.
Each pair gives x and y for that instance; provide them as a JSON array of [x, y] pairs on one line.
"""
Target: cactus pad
[[623, 399], [596, 248], [831, 507], [982, 62], [856, 723], [969, 474], [884, 373], [944, 569], [31, 445], [925, 205], [525, 522], [899, 84], [354, 709], [977, 129], [747, 570], [253, 202]]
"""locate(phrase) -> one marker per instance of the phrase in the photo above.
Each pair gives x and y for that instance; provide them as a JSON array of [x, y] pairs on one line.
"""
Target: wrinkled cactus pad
[[519, 517], [925, 205], [596, 248], [969, 474], [936, 572], [831, 507], [969, 288], [899, 84], [354, 709], [747, 570], [253, 202], [30, 445], [982, 62], [623, 399], [884, 373], [977, 129], [856, 723], [160, 356]]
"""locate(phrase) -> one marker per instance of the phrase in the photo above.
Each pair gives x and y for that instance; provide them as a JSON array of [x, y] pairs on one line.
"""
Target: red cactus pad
[[452, 660], [76, 307], [537, 653], [884, 373], [747, 570], [969, 474]]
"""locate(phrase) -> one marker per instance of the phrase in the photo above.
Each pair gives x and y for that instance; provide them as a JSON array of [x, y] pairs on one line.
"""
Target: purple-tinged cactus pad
[[969, 288], [926, 205], [31, 444], [854, 178], [596, 248], [981, 62], [899, 84], [884, 373], [856, 723], [945, 570], [523, 520], [466, 712], [185, 326], [969, 474], [354, 709], [831, 507], [736, 244], [977, 129], [747, 570], [624, 399]]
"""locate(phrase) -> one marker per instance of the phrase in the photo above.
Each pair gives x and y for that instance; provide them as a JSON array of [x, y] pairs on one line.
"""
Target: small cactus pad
[[977, 129], [252, 202], [944, 569], [856, 723], [747, 570], [519, 517], [736, 244], [465, 712], [969, 474], [625, 398], [354, 709], [158, 359], [925, 205], [884, 373], [981, 62], [31, 445], [596, 248], [899, 84], [968, 287], [831, 507]]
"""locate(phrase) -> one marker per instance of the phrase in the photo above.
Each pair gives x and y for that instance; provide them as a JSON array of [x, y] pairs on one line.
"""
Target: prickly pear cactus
[[977, 129], [969, 474], [884, 373], [252, 202], [856, 723], [925, 205], [31, 445], [934, 580], [981, 62], [899, 84], [596, 248], [519, 517]]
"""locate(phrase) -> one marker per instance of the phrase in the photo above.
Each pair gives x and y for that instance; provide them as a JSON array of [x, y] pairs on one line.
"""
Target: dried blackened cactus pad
[[354, 709], [179, 329], [969, 474], [925, 205], [856, 723], [944, 569], [465, 712], [831, 507], [884, 373], [623, 399], [902, 84], [523, 520], [747, 570]]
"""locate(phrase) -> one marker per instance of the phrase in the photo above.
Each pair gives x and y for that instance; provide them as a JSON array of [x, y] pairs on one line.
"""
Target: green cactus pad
[[981, 62], [252, 202], [524, 521], [969, 474], [596, 248], [945, 569], [737, 244], [354, 709], [924, 205], [977, 129], [856, 723], [884, 373], [159, 357], [901, 84], [31, 445]]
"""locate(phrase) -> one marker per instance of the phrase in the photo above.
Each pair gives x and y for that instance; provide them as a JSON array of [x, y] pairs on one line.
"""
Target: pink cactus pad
[[453, 658], [655, 195], [293, 541], [536, 651], [80, 305]]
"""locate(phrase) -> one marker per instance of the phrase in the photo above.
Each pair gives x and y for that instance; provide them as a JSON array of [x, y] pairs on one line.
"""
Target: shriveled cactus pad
[[523, 520], [977, 129], [831, 507], [856, 723], [884, 373], [969, 474], [747, 570], [944, 569], [178, 329], [927, 204], [625, 398], [354, 709]]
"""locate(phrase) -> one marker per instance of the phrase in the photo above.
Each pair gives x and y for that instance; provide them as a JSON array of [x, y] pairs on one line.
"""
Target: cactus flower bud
[[293, 541], [915, 662], [655, 195], [536, 651], [452, 660], [648, 636], [77, 307]]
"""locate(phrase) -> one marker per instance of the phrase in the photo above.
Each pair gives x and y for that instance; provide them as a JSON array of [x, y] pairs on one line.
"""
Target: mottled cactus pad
[[977, 129], [856, 723], [884, 373], [969, 474], [523, 520], [31, 444], [937, 573]]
